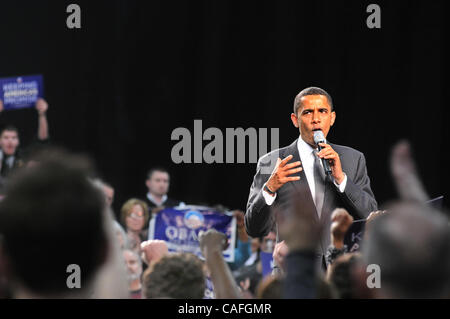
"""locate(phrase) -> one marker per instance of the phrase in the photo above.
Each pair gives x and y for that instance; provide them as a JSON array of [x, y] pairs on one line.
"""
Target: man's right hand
[[281, 173], [212, 241]]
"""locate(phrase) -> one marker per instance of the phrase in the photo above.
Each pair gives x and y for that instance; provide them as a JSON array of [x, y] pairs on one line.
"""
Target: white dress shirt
[[307, 158], [154, 201]]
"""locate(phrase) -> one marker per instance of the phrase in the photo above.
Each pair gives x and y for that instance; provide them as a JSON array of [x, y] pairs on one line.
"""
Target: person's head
[[134, 214], [271, 287], [411, 246], [178, 276], [134, 265], [9, 140], [51, 217], [313, 110], [158, 181], [341, 275]]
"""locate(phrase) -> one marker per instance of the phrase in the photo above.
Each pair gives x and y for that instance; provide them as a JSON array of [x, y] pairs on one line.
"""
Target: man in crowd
[[53, 217], [10, 156], [158, 181], [411, 246], [134, 268]]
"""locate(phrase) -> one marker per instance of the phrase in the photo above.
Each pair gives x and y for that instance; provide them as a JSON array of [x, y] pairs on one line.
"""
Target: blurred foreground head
[[411, 245], [50, 218], [178, 275]]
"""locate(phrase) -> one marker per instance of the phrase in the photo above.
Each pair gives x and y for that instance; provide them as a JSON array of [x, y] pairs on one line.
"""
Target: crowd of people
[[55, 212]]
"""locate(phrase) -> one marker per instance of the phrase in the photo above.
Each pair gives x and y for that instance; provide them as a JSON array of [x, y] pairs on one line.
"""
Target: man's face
[[134, 266], [158, 183], [9, 141], [313, 113]]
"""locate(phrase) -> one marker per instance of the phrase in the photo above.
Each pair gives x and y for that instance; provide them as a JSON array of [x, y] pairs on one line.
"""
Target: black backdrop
[[137, 70]]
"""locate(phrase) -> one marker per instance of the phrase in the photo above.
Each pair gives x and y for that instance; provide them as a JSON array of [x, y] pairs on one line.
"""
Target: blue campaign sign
[[179, 227], [21, 92], [266, 262], [354, 235]]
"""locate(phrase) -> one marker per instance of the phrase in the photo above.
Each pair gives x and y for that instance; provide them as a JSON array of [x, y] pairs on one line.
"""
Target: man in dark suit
[[297, 170], [158, 181]]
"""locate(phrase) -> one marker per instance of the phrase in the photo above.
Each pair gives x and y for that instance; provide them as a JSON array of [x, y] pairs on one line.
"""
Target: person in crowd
[[298, 169], [134, 269], [212, 244], [341, 222], [134, 217], [177, 275], [251, 271], [11, 156], [158, 182], [243, 247], [340, 275], [54, 217], [270, 287], [411, 246]]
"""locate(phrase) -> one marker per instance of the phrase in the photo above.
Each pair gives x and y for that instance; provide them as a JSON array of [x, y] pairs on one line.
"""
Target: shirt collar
[[152, 199], [304, 148]]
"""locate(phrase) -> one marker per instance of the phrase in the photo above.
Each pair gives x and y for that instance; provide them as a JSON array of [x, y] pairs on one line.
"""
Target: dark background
[[137, 70]]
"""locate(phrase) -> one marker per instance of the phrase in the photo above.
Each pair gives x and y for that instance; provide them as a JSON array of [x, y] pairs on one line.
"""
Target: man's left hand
[[330, 154]]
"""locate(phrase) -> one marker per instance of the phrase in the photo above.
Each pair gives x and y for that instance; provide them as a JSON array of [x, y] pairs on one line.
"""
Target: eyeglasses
[[136, 216]]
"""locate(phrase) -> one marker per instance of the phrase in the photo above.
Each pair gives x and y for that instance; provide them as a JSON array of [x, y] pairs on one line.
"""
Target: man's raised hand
[[41, 106], [341, 222]]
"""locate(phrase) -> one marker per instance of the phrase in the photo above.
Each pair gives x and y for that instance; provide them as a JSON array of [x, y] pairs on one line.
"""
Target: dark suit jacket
[[357, 198]]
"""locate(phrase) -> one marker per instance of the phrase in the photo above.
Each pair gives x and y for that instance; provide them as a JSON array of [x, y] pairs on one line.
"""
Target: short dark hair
[[341, 275], [178, 276], [311, 91], [9, 127], [271, 287], [50, 218], [157, 169]]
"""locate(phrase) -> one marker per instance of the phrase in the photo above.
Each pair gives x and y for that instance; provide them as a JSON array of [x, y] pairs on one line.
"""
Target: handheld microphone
[[320, 138]]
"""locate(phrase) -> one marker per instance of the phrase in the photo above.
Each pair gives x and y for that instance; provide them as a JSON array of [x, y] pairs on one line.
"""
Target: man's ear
[[294, 120], [147, 183], [333, 117]]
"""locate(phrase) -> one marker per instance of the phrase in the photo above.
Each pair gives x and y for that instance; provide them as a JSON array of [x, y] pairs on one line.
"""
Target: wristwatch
[[268, 190]]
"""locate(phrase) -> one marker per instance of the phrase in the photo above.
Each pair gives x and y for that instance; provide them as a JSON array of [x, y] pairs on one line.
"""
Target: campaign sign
[[266, 262], [180, 226], [354, 235], [21, 92]]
